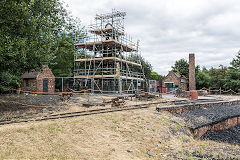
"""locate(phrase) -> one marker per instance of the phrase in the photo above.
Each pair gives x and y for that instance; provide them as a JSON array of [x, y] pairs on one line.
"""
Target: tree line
[[224, 77]]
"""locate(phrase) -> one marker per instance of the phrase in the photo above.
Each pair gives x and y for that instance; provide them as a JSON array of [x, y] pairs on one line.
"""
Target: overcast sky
[[169, 30]]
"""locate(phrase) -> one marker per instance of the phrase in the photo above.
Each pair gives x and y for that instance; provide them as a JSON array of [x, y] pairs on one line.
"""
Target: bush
[[8, 80]]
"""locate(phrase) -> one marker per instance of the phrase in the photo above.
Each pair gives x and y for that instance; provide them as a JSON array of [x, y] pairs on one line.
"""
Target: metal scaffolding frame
[[107, 59]]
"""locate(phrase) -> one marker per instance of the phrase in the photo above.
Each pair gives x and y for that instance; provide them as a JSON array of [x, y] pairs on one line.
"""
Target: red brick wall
[[171, 77], [32, 85], [36, 85], [46, 73]]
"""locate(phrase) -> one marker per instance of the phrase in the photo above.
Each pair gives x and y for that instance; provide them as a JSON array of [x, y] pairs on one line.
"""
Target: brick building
[[175, 80], [43, 81]]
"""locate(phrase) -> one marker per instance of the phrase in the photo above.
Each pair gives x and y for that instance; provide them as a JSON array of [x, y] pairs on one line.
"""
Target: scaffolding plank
[[108, 58], [110, 43], [106, 30], [134, 78], [107, 76], [95, 76]]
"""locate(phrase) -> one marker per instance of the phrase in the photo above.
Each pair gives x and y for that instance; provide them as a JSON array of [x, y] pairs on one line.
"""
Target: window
[[169, 84], [26, 83], [182, 81]]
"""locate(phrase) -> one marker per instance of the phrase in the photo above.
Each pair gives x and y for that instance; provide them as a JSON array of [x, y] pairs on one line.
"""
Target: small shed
[[43, 81], [175, 80]]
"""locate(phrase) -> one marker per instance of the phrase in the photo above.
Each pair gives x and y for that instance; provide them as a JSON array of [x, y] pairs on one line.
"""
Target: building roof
[[30, 75], [177, 74], [34, 74]]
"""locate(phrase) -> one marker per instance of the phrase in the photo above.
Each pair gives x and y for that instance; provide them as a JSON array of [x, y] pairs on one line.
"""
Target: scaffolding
[[107, 59]]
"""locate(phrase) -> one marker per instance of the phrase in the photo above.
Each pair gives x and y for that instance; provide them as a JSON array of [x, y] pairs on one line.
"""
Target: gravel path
[[199, 117]]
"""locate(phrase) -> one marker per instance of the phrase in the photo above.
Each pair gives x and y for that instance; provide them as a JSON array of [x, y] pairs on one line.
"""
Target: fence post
[[62, 84]]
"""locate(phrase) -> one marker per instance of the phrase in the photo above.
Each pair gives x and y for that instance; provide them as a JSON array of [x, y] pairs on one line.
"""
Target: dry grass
[[106, 136]]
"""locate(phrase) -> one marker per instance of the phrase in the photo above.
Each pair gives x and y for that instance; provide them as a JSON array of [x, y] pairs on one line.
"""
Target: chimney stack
[[192, 81]]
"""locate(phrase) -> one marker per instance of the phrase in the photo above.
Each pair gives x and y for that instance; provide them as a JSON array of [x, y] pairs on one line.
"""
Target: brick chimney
[[192, 81]]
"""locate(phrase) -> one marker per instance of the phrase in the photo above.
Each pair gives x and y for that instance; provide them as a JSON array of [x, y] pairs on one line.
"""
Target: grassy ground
[[139, 134]]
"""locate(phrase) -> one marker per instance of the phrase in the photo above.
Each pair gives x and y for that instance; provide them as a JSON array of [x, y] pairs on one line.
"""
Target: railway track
[[20, 119], [74, 114]]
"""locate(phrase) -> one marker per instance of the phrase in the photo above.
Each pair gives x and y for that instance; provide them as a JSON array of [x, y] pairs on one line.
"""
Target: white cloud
[[170, 29]]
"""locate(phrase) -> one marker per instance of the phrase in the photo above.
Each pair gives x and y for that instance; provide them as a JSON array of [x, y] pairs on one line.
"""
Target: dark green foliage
[[214, 78], [28, 33], [62, 65], [217, 77], [232, 77], [154, 76], [232, 80], [35, 32], [181, 67], [8, 81], [202, 78]]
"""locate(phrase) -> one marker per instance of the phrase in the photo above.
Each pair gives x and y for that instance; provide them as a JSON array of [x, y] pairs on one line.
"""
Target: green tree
[[202, 78], [181, 67], [236, 61], [8, 81], [154, 76], [217, 76], [31, 34], [62, 65], [232, 79], [146, 66], [28, 33]]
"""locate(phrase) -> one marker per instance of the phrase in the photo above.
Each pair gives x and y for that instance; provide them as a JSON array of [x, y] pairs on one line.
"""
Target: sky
[[169, 30]]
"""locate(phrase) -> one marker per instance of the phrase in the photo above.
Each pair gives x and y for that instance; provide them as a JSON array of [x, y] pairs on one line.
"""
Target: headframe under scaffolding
[[107, 60]]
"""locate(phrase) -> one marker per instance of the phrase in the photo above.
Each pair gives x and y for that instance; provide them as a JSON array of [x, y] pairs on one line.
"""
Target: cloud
[[170, 30]]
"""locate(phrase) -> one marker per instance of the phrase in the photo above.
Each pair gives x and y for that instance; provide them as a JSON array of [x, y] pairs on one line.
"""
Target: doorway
[[45, 85]]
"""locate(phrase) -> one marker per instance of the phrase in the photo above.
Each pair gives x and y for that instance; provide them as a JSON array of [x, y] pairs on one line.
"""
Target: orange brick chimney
[[192, 81]]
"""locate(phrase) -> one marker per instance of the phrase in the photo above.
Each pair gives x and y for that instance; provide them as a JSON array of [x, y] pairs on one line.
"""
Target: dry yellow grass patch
[[104, 136]]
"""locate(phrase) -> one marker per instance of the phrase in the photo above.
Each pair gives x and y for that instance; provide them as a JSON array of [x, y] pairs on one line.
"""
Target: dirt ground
[[135, 134], [21, 106], [138, 134]]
